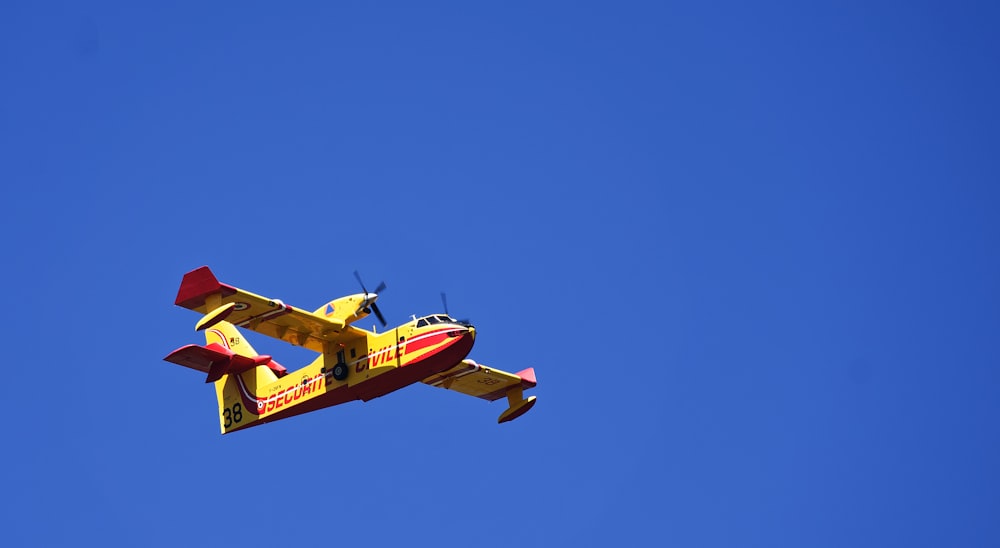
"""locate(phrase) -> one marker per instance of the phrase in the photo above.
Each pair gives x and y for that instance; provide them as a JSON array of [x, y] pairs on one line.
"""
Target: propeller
[[370, 298], [444, 301]]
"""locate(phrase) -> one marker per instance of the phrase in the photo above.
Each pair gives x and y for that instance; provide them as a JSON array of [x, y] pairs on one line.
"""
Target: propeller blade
[[379, 289], [370, 304], [444, 301], [358, 277], [378, 314]]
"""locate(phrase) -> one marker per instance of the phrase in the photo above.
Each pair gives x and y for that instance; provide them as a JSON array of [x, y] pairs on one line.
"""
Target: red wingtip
[[528, 375], [195, 286]]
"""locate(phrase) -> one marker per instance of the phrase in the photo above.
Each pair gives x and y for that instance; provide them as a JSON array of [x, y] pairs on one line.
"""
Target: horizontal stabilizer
[[217, 360], [197, 357]]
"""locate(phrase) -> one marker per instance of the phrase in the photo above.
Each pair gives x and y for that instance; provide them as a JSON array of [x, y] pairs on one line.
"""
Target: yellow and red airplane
[[354, 364]]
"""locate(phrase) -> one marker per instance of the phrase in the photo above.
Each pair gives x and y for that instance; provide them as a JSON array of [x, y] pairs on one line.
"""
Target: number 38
[[232, 415]]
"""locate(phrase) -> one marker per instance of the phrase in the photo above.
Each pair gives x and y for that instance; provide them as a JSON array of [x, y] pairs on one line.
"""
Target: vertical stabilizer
[[236, 391], [226, 334]]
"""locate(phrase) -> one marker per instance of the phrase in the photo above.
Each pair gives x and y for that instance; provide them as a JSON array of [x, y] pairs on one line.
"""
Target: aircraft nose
[[472, 331]]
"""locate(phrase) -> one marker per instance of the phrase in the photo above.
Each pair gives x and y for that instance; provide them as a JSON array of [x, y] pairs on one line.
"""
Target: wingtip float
[[215, 316], [353, 363]]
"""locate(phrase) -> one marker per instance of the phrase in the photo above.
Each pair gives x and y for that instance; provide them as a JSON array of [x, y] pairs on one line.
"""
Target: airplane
[[354, 364]]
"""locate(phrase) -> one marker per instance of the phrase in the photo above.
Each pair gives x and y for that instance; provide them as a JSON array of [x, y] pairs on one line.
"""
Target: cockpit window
[[430, 320]]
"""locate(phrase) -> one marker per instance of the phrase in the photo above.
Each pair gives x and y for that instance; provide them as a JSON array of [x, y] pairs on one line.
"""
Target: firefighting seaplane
[[354, 364]]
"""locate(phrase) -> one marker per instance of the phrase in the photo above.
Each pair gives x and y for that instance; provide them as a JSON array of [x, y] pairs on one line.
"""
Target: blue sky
[[750, 250]]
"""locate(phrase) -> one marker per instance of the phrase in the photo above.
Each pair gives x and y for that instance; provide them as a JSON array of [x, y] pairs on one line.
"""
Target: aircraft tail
[[235, 368], [226, 335], [234, 390]]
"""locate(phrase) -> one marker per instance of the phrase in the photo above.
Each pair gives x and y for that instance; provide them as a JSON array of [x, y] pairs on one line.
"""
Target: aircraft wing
[[202, 292], [468, 377]]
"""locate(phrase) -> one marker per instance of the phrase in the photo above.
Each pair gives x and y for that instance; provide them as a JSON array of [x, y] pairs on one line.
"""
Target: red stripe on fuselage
[[428, 339], [440, 360], [222, 336], [250, 401], [258, 405]]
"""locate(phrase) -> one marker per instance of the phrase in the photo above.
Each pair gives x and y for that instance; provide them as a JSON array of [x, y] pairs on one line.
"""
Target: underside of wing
[[202, 292], [468, 377]]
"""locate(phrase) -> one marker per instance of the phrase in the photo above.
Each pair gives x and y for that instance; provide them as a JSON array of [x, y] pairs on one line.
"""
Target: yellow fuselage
[[376, 364]]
